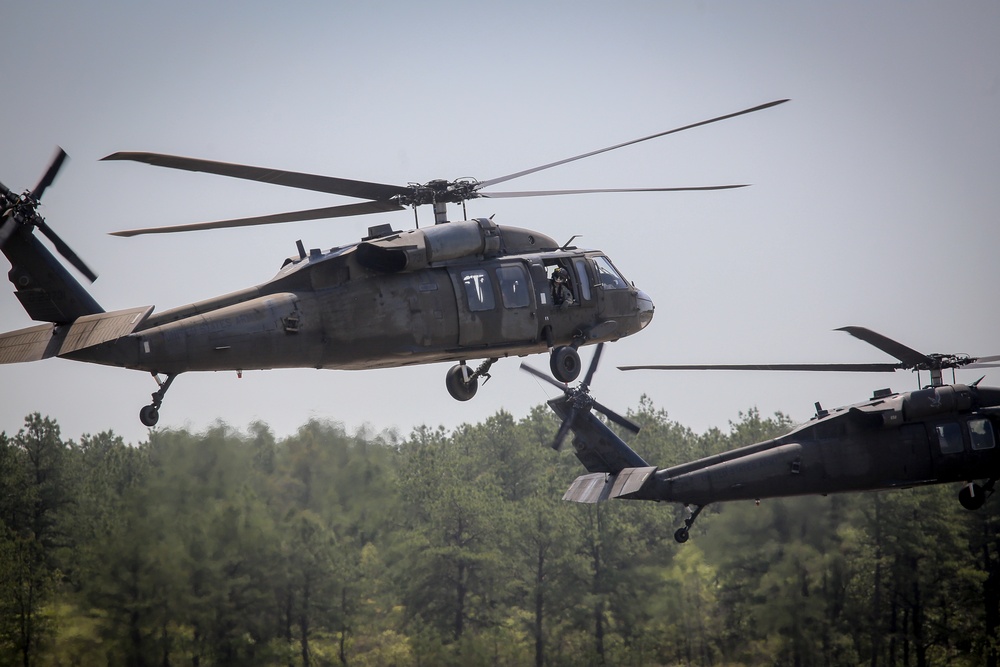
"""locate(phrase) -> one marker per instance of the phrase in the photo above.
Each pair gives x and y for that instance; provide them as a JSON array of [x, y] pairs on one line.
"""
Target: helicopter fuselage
[[932, 436], [453, 292], [936, 435]]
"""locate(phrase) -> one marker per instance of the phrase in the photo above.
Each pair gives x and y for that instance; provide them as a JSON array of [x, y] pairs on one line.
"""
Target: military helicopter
[[456, 291], [938, 434]]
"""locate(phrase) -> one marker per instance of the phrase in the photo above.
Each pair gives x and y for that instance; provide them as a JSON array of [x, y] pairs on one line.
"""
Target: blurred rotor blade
[[509, 177], [546, 193], [50, 175], [64, 249], [624, 422], [290, 179], [543, 376], [593, 367], [978, 362], [907, 355], [346, 210], [7, 227], [851, 368], [564, 428]]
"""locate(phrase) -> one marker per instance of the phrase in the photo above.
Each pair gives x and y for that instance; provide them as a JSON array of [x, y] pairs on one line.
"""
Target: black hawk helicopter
[[452, 292], [938, 434]]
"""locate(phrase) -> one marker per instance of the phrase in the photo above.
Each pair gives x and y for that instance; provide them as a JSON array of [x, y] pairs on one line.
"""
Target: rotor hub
[[439, 191]]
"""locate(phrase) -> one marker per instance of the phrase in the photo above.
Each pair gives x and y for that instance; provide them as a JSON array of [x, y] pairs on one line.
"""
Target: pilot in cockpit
[[562, 294]]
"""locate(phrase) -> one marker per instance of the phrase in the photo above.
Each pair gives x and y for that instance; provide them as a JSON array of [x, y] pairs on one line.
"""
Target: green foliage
[[455, 548]]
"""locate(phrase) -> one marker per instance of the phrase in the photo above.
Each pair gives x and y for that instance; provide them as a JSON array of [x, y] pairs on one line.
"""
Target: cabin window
[[608, 276], [514, 286], [479, 290], [949, 437], [560, 284], [981, 434], [581, 273]]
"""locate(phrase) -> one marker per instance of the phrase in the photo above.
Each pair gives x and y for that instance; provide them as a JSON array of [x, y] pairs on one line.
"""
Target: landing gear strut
[[463, 385], [682, 534], [972, 496], [150, 414]]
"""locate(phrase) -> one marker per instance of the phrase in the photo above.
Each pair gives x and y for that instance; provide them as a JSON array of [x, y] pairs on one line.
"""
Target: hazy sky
[[874, 203]]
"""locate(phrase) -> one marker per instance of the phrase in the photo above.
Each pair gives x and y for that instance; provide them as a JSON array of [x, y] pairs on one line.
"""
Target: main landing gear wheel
[[565, 363], [972, 496], [462, 385], [460, 388]]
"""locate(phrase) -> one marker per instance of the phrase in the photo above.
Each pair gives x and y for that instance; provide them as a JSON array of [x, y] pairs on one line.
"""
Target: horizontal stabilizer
[[31, 344], [49, 340], [93, 330], [596, 487]]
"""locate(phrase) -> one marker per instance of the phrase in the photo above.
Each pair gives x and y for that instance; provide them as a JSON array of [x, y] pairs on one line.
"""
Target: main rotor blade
[[346, 210], [546, 193], [64, 249], [907, 355], [543, 376], [985, 362], [850, 368], [624, 422], [50, 174], [509, 177], [290, 179]]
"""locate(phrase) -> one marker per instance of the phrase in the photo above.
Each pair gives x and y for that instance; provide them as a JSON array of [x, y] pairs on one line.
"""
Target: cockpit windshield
[[608, 274]]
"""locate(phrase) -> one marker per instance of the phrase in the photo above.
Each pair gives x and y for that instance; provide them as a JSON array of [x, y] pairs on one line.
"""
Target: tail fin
[[43, 285], [616, 470], [596, 445]]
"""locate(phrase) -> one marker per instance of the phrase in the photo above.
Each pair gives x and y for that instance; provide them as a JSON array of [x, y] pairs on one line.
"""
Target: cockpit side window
[[479, 290], [560, 284], [981, 434], [608, 275], [580, 265]]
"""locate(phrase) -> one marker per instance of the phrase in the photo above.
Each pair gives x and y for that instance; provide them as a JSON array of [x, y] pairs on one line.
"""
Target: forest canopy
[[233, 547]]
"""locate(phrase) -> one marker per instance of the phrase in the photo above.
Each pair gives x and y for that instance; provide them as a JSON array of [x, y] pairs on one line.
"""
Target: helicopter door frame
[[518, 321], [584, 274], [477, 305], [496, 305], [958, 448]]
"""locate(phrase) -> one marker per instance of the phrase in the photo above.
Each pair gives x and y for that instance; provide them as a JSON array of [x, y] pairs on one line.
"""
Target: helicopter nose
[[645, 309]]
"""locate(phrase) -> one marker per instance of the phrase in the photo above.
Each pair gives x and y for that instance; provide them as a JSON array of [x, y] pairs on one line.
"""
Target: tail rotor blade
[[50, 175], [7, 227], [593, 366], [624, 422], [564, 428], [542, 376], [65, 250]]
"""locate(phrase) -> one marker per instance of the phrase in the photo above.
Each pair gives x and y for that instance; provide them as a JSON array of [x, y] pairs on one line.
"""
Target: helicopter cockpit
[[608, 275]]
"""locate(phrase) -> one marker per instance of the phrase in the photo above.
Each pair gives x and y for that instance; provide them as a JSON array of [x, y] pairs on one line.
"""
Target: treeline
[[454, 548]]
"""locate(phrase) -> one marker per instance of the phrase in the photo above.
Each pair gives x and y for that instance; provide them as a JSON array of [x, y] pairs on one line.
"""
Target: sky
[[874, 199]]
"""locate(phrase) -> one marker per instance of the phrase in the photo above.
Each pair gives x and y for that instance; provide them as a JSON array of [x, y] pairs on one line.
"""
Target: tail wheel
[[149, 415]]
